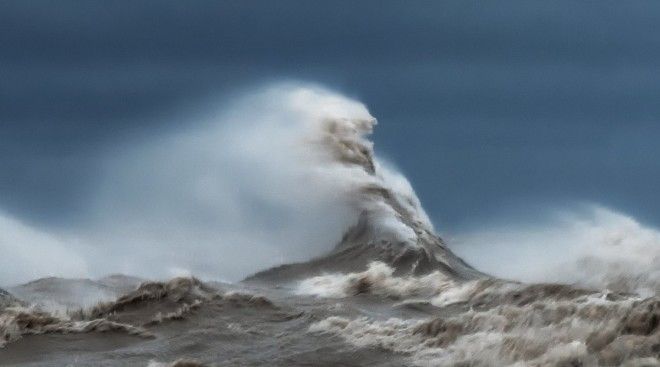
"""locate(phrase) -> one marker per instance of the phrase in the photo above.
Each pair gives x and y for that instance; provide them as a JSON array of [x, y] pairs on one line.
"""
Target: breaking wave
[[284, 174], [276, 177]]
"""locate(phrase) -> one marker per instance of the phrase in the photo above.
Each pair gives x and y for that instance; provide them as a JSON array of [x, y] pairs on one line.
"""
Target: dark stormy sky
[[484, 105]]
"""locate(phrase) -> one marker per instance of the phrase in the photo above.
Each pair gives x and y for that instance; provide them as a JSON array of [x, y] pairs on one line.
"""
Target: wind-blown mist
[[274, 177], [590, 245], [251, 188], [27, 253]]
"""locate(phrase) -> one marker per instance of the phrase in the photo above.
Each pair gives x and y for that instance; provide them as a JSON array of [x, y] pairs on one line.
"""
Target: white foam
[[378, 279], [542, 333]]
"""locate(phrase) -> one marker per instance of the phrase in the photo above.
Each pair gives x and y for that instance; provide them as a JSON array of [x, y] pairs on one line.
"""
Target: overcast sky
[[483, 105]]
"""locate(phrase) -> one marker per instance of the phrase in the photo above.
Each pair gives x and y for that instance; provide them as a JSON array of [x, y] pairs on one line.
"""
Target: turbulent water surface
[[389, 293]]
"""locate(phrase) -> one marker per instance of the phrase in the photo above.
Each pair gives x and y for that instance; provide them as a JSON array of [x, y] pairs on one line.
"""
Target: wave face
[[391, 225]]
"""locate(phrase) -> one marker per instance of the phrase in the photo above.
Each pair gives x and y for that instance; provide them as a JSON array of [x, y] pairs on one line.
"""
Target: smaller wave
[[135, 313], [15, 322]]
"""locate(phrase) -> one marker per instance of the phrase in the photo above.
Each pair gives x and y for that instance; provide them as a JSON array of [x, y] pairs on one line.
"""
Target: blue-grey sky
[[483, 105]]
